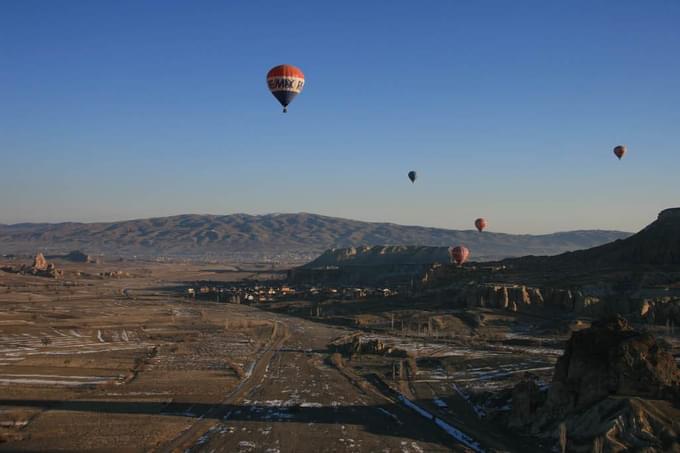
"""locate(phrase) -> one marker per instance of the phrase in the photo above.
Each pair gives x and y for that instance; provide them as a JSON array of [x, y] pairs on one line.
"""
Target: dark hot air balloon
[[285, 82], [459, 254], [620, 151], [480, 224], [412, 176]]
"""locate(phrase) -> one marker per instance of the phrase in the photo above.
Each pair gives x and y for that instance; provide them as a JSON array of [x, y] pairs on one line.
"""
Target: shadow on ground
[[382, 420]]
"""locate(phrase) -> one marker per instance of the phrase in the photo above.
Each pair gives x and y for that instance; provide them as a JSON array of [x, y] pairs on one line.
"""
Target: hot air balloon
[[412, 176], [285, 82], [620, 151], [459, 254], [480, 224]]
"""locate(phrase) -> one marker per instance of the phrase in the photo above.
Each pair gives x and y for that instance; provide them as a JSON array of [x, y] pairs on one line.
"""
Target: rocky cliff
[[638, 276], [380, 255], [602, 392], [522, 298], [525, 298]]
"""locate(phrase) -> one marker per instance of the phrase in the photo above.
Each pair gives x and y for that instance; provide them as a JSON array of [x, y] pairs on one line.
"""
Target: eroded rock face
[[630, 424], [610, 358], [525, 298], [608, 389]]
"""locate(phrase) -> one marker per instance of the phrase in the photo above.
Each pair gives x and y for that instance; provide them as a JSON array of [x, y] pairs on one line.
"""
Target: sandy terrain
[[117, 357], [127, 364]]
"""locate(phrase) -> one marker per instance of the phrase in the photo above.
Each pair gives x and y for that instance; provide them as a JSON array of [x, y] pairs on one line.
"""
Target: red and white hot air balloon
[[285, 82], [620, 151], [459, 254], [480, 224]]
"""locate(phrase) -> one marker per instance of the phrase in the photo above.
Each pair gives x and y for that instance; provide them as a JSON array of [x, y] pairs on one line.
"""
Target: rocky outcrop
[[661, 310], [39, 263], [610, 358], [39, 268], [524, 298], [594, 301], [380, 255], [357, 344], [624, 425], [42, 268], [599, 388]]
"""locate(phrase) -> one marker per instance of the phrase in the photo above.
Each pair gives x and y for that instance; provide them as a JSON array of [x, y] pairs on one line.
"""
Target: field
[[115, 357], [125, 363]]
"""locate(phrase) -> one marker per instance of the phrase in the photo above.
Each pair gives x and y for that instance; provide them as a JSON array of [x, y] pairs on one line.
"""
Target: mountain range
[[300, 236]]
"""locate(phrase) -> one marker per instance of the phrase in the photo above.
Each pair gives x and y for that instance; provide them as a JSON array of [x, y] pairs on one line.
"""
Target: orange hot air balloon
[[480, 224], [620, 151], [285, 82], [459, 254]]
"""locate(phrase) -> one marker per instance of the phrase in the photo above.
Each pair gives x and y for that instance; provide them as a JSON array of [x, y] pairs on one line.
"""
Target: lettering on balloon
[[285, 84]]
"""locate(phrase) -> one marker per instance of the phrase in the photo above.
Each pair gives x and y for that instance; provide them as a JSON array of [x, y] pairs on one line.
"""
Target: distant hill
[[380, 255], [656, 246], [277, 236], [75, 256]]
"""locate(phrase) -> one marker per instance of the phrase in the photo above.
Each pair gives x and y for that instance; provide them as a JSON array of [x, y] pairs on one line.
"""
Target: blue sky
[[509, 110]]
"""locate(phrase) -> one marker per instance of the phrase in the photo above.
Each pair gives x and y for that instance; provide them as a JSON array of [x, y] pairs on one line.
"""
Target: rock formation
[[610, 358], [42, 268], [524, 298], [600, 388], [642, 305], [39, 263], [39, 268], [357, 344]]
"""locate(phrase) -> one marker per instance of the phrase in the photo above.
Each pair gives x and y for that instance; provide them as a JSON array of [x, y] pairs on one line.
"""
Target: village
[[250, 293]]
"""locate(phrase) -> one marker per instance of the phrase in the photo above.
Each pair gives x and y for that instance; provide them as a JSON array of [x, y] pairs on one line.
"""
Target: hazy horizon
[[123, 110], [470, 228]]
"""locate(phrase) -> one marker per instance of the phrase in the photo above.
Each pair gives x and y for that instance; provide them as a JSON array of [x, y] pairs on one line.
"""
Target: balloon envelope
[[412, 176], [620, 151], [285, 82], [480, 224], [459, 254]]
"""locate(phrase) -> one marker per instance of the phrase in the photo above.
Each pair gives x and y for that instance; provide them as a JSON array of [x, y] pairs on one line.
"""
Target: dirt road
[[296, 402], [218, 411]]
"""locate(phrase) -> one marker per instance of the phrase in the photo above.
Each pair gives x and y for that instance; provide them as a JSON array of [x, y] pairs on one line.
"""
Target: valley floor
[[128, 364]]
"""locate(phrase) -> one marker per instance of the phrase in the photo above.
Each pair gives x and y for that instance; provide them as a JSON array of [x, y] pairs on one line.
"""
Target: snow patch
[[451, 430]]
